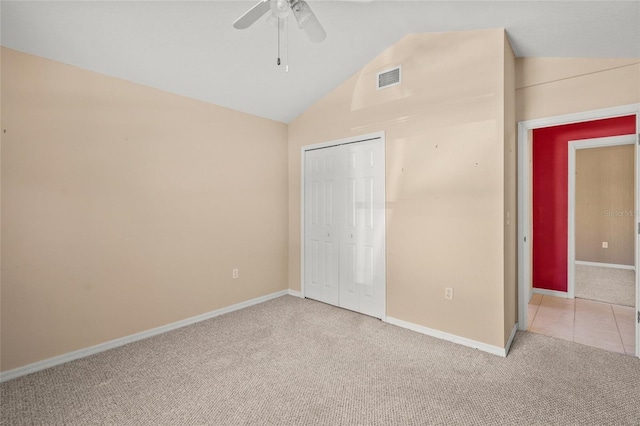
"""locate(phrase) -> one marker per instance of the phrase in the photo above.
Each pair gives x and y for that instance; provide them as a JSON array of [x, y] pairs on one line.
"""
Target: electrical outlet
[[235, 274], [605, 244], [448, 293]]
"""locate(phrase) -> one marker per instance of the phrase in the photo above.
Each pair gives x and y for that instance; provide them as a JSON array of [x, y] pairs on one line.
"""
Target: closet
[[344, 224]]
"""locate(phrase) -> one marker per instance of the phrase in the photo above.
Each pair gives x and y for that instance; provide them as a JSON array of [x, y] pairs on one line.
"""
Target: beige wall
[[605, 204], [510, 193], [125, 208], [546, 87], [445, 176]]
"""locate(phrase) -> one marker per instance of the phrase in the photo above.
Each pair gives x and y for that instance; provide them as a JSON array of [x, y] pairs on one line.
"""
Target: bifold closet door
[[322, 230], [344, 257], [362, 256]]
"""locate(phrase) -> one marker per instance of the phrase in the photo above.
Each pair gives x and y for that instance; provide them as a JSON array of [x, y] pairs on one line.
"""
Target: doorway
[[601, 199], [343, 229], [601, 248], [525, 215]]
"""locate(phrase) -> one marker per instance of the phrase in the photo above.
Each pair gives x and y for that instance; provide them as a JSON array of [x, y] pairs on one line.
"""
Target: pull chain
[[286, 53], [278, 25]]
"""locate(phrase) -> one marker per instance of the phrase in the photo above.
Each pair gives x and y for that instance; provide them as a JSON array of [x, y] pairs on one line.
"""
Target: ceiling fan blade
[[314, 30], [308, 22], [252, 15]]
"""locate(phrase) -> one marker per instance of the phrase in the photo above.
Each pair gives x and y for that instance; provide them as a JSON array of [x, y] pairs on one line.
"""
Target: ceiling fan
[[281, 9]]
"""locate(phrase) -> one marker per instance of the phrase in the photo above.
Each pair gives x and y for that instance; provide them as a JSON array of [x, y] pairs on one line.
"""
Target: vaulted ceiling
[[190, 47]]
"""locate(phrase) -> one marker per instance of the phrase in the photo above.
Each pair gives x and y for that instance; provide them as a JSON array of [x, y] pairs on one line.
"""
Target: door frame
[[353, 139], [571, 193], [525, 240]]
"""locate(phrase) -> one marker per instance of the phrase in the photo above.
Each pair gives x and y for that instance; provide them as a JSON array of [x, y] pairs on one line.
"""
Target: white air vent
[[390, 77]]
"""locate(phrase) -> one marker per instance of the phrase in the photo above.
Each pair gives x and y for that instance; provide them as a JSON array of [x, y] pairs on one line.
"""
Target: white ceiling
[[190, 47]]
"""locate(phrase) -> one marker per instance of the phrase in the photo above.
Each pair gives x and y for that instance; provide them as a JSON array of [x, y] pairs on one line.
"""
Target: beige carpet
[[610, 285], [293, 361]]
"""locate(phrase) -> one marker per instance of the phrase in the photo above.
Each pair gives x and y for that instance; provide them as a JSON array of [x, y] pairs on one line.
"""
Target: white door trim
[[524, 195], [571, 194], [353, 139], [637, 239]]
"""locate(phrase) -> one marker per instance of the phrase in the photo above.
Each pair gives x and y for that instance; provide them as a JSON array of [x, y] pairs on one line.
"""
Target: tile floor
[[598, 324]]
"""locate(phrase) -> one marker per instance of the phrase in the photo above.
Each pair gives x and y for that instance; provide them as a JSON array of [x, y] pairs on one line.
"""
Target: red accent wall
[[550, 181]]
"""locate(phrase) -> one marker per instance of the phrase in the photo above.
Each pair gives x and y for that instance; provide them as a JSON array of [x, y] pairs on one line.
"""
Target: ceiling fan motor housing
[[280, 8]]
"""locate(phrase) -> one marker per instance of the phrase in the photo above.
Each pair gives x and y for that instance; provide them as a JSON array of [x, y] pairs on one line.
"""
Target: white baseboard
[[510, 341], [294, 293], [606, 265], [494, 350], [81, 353], [554, 293]]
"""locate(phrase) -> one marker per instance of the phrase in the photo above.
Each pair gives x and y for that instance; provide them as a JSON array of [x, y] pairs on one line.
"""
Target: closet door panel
[[362, 235], [321, 245]]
